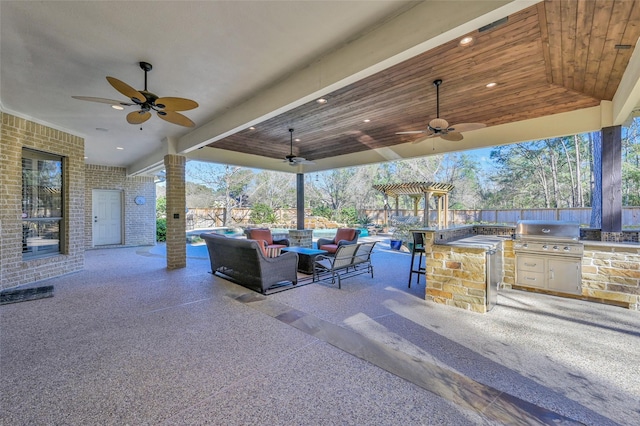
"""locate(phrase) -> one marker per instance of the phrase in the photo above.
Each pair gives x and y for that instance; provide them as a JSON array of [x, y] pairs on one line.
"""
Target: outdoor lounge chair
[[263, 234], [344, 236]]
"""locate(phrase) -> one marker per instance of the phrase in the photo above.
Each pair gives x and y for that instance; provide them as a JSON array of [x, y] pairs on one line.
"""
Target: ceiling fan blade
[[429, 136], [467, 127], [414, 132], [176, 118], [176, 104], [138, 117], [452, 136], [300, 160], [102, 100], [127, 90]]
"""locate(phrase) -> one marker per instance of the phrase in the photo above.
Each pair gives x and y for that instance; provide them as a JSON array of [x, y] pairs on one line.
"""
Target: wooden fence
[[208, 218]]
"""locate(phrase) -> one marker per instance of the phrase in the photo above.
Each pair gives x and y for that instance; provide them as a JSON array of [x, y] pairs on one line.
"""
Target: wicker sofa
[[244, 262]]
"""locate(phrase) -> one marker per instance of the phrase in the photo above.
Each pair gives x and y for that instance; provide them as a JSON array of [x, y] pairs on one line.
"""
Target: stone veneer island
[[456, 270]]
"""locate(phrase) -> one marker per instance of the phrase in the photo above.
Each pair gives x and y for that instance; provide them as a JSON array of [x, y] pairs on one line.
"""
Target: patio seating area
[[128, 341]]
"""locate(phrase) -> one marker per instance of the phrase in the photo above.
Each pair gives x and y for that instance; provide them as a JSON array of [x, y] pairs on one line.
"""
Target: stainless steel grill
[[545, 237], [549, 255]]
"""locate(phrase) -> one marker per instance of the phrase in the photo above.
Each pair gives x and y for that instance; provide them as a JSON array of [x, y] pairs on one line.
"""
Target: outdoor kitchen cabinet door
[[565, 275]]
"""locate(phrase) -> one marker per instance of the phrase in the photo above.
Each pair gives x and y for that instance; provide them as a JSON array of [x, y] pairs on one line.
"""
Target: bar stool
[[418, 248]]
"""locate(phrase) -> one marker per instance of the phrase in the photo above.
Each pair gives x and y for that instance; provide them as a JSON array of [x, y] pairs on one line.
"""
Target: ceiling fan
[[166, 108], [440, 127], [292, 159]]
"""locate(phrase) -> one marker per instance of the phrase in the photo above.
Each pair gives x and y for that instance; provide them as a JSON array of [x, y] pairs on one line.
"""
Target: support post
[[446, 210], [611, 179], [425, 213], [176, 206], [300, 201]]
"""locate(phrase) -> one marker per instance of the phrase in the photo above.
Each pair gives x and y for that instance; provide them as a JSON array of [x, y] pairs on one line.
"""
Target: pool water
[[320, 233], [317, 233]]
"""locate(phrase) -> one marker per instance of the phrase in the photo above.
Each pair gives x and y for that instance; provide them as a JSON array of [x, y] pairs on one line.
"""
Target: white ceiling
[[242, 61], [218, 53]]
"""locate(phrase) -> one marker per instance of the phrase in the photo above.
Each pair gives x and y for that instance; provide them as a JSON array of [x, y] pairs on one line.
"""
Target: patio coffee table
[[306, 257]]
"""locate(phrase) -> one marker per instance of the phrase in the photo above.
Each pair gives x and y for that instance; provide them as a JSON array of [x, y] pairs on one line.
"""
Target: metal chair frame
[[418, 247]]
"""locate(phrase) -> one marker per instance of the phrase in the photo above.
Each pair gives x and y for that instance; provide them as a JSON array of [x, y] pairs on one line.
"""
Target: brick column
[[176, 206], [301, 237]]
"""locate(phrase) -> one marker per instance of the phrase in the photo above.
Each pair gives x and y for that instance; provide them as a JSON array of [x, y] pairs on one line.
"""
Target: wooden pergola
[[418, 190]]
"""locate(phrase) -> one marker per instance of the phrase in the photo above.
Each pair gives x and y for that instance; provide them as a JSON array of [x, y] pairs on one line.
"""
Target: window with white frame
[[42, 203]]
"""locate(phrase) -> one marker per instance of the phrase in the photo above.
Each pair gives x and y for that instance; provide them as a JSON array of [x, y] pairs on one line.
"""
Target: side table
[[306, 257]]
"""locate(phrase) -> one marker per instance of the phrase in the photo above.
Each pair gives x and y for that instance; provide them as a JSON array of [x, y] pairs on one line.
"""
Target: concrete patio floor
[[127, 341]]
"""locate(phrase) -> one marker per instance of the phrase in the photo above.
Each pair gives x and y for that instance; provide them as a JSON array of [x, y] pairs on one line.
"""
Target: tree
[[631, 164], [228, 182], [275, 189], [596, 172], [262, 213], [161, 207], [333, 188], [199, 196]]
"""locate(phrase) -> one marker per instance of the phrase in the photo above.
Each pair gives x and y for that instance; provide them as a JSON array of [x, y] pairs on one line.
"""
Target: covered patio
[[126, 341]]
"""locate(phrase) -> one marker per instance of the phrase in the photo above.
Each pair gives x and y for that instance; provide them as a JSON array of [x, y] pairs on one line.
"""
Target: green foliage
[[262, 213], [161, 229], [402, 232], [161, 207], [323, 211], [349, 215], [364, 220]]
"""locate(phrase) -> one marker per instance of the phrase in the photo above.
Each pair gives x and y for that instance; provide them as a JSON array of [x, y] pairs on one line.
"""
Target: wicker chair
[[344, 236], [264, 235]]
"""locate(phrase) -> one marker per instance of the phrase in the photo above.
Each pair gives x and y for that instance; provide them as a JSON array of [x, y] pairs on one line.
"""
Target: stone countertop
[[612, 246], [486, 242]]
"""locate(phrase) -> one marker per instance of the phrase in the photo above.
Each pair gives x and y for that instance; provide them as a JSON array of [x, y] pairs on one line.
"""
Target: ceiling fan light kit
[[440, 127], [166, 108], [438, 124]]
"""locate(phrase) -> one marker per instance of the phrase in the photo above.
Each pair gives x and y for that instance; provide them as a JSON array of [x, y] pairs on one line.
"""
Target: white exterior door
[[107, 217]]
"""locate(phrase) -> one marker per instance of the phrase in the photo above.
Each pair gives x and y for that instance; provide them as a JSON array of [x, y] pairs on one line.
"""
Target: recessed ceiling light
[[118, 107], [366, 120], [120, 148], [252, 128], [321, 101], [466, 41], [86, 158], [492, 84], [297, 140]]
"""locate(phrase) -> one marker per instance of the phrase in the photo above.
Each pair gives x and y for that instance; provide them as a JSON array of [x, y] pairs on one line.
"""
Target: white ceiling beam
[[627, 97]]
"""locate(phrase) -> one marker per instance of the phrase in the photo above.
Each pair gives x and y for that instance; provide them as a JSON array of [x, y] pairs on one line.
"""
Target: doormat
[[23, 295]]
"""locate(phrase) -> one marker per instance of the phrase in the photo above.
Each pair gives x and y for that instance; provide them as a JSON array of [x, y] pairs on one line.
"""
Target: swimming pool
[[320, 233], [236, 232]]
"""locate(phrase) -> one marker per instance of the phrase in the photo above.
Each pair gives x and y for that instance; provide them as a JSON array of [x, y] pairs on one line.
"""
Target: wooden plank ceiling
[[554, 57]]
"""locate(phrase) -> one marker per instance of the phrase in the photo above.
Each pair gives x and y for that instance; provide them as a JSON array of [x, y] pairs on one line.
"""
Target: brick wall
[[139, 221], [17, 133]]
